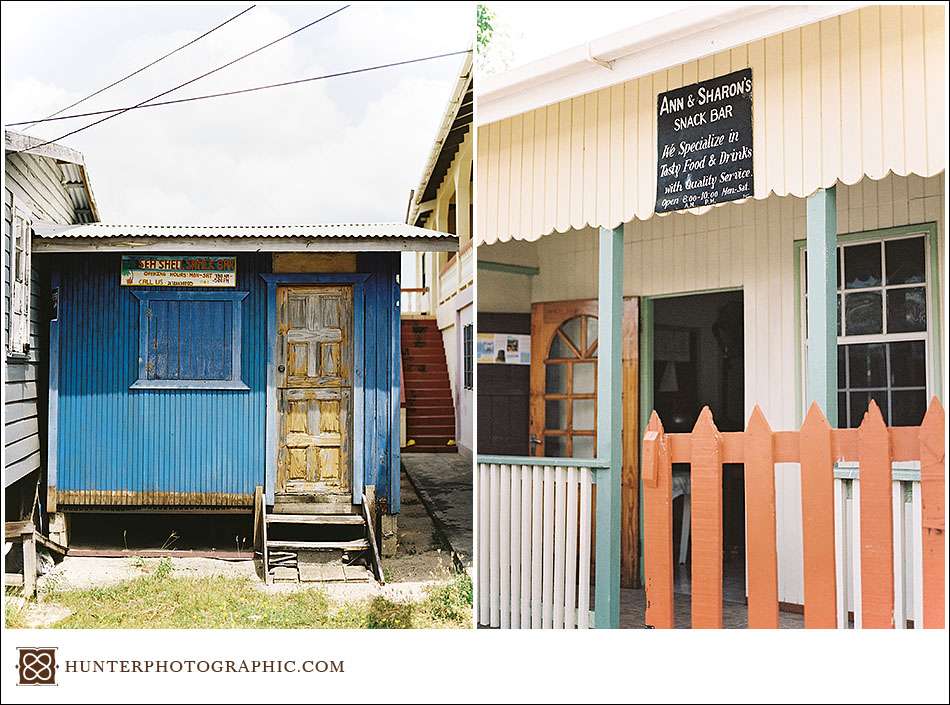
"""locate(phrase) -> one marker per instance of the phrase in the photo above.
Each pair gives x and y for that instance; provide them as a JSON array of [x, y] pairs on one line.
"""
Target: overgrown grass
[[160, 601]]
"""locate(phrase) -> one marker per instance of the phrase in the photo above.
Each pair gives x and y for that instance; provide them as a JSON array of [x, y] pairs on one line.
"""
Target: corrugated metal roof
[[316, 230]]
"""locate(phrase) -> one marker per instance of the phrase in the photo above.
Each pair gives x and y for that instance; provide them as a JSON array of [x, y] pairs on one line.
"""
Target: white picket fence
[[534, 543], [907, 544]]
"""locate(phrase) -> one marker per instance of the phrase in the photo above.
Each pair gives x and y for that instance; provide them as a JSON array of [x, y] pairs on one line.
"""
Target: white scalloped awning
[[852, 96]]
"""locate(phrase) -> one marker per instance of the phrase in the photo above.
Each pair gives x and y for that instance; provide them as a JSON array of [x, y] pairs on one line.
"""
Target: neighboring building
[[204, 369], [196, 363], [46, 185], [439, 286], [848, 138]]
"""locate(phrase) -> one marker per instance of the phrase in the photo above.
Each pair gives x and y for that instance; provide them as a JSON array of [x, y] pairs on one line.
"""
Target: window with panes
[[883, 320]]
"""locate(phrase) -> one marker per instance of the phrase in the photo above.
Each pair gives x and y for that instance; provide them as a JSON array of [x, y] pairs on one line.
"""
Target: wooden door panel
[[316, 337], [546, 319], [315, 388]]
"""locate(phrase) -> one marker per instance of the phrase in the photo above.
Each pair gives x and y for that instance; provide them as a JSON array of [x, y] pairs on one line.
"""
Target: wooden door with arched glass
[[563, 421]]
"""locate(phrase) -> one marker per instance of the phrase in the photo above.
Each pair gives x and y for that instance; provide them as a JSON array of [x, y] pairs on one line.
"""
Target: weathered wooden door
[[563, 423], [315, 385]]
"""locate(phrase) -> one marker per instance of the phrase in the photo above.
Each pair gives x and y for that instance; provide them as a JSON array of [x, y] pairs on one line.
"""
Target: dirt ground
[[421, 562]]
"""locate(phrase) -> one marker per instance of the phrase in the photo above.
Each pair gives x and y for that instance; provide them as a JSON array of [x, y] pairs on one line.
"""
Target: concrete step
[[427, 393], [416, 430], [427, 353], [429, 449], [429, 384], [431, 439]]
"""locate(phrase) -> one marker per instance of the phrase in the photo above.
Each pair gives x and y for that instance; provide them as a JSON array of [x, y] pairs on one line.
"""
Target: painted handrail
[[533, 461]]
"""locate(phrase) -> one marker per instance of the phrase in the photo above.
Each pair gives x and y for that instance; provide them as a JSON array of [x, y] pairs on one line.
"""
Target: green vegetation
[[160, 601]]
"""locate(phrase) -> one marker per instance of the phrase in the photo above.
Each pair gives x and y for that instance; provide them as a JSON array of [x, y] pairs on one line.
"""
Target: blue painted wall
[[154, 447]]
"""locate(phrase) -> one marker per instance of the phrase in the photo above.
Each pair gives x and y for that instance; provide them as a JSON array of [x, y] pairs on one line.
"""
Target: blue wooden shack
[[191, 365]]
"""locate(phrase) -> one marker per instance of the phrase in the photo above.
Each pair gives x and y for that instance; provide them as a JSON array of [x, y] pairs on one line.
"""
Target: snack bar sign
[[178, 271], [704, 143]]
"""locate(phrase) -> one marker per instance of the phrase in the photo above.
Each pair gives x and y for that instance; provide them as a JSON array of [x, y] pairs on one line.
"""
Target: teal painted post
[[609, 428], [821, 226]]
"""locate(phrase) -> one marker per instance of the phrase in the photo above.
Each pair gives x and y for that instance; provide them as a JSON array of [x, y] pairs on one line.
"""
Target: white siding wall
[[857, 94], [748, 246]]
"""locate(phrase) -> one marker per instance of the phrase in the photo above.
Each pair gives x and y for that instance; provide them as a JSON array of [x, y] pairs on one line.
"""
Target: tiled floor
[[734, 611], [734, 614]]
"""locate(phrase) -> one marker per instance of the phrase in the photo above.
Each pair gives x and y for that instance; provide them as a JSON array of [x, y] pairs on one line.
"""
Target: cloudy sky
[[346, 149], [531, 35]]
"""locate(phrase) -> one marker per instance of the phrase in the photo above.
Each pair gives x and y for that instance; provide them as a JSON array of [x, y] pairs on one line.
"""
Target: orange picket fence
[[875, 459]]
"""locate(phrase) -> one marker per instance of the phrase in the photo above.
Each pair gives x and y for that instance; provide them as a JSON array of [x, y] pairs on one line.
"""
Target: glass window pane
[[842, 361], [591, 330], [555, 413], [555, 378], [572, 329], [906, 310], [866, 366], [909, 407], [583, 419], [862, 266], [584, 377], [842, 410], [583, 447], [860, 402], [905, 261], [908, 364], [839, 314], [555, 446], [560, 349], [862, 313]]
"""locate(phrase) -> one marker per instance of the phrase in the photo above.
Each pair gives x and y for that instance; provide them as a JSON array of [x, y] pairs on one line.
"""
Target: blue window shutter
[[204, 345], [190, 340], [163, 324]]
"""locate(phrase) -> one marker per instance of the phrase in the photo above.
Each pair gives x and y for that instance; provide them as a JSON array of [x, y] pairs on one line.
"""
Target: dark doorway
[[698, 360]]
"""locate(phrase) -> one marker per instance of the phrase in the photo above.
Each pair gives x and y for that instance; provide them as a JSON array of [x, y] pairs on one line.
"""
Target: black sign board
[[704, 143]]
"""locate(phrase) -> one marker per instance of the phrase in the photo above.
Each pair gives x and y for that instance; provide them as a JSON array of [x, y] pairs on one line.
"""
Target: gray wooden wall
[[37, 181]]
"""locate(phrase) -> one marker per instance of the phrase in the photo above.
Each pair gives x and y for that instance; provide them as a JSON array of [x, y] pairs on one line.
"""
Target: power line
[[186, 83], [147, 66], [254, 88]]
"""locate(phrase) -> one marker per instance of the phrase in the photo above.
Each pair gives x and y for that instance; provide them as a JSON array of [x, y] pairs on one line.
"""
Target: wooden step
[[313, 508], [321, 519], [355, 545]]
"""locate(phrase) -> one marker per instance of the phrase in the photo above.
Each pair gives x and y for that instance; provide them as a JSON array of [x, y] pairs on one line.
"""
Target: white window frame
[[878, 237], [21, 256]]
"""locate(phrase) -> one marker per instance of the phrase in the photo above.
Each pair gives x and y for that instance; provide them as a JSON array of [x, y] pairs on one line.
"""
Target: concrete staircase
[[430, 412]]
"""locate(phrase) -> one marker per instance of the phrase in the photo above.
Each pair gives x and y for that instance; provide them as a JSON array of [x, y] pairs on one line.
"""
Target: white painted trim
[[639, 51], [451, 111], [19, 142]]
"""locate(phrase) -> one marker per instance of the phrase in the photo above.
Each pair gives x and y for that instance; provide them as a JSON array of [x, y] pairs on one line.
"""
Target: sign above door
[[183, 271], [704, 143]]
